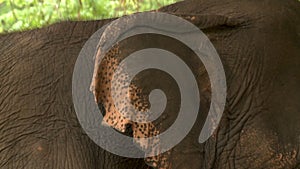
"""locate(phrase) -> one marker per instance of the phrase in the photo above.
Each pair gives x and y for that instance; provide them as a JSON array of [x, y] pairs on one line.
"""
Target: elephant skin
[[258, 43]]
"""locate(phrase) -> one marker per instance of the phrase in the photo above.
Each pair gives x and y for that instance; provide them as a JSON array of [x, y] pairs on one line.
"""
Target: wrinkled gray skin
[[259, 45]]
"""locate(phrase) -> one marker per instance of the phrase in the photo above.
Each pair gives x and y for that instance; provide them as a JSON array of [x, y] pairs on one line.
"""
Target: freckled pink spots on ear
[[102, 88]]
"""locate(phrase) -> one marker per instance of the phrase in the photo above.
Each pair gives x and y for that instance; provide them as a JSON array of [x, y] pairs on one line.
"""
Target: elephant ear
[[146, 130], [102, 88], [138, 93]]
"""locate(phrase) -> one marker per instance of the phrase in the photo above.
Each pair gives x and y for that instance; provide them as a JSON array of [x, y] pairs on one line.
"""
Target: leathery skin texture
[[258, 43]]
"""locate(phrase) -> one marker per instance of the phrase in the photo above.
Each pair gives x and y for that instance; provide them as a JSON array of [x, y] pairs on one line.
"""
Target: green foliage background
[[16, 15]]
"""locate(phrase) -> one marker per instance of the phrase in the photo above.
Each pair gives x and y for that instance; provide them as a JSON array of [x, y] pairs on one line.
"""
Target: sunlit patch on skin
[[39, 148], [263, 153]]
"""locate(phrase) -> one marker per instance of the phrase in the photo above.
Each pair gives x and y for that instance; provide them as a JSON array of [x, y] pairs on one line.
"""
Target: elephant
[[258, 44]]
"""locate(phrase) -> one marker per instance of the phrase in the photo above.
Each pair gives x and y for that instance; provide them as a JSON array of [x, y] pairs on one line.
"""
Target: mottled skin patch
[[263, 153], [102, 88]]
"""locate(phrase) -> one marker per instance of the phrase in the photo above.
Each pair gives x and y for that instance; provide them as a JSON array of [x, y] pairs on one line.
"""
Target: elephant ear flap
[[160, 161], [151, 161], [94, 86]]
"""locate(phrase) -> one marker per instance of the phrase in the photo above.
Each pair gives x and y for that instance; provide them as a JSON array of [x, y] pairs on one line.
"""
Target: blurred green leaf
[[18, 15]]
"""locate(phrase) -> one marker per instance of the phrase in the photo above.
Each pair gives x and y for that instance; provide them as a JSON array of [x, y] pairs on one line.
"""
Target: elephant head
[[258, 48], [258, 44]]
